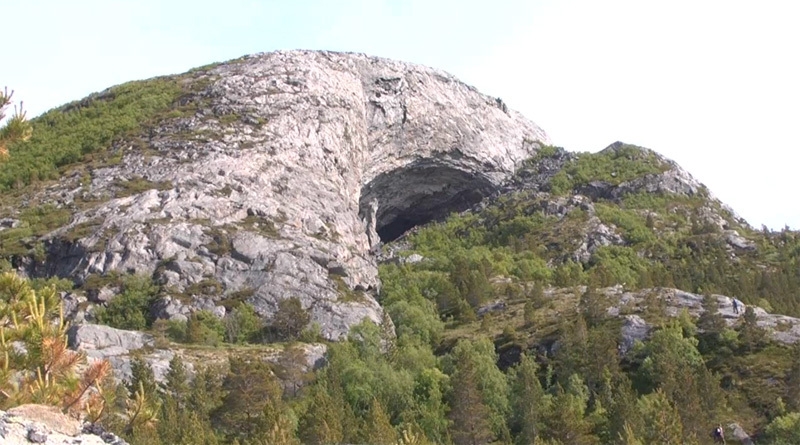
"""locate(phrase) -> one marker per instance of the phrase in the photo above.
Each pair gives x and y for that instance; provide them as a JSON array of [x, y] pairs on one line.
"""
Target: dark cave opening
[[420, 193]]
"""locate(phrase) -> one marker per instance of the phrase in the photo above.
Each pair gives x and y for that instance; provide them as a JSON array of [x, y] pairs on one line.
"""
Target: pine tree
[[529, 314], [661, 419], [48, 372], [177, 380], [752, 336], [628, 436], [249, 386], [205, 392], [290, 319], [142, 377], [469, 413], [623, 412], [528, 401], [322, 421], [566, 421], [377, 428], [16, 128], [275, 427], [793, 381]]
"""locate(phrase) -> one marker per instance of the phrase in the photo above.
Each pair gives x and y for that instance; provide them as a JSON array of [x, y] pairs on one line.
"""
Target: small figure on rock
[[735, 306], [501, 105], [719, 433]]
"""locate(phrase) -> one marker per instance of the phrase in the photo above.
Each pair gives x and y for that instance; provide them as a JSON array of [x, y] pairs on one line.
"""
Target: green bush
[[289, 321], [204, 328], [131, 308], [242, 325]]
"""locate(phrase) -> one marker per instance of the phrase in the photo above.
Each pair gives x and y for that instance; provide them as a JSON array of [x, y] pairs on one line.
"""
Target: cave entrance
[[417, 194]]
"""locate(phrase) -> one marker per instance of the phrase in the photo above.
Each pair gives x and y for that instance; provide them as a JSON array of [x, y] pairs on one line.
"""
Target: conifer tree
[[177, 380], [142, 376], [528, 401], [752, 336], [275, 427], [793, 381], [205, 393], [322, 421], [249, 386], [623, 412], [377, 428], [16, 128], [469, 413], [566, 420], [662, 423], [45, 371]]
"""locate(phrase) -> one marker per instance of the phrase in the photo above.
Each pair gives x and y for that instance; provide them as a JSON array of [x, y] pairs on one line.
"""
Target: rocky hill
[[274, 176], [239, 207]]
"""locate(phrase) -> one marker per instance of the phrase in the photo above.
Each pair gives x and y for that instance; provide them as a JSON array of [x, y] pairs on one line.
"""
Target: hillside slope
[[259, 179], [315, 247]]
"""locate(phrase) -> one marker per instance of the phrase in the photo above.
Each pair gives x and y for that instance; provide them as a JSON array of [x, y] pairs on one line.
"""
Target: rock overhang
[[330, 153]]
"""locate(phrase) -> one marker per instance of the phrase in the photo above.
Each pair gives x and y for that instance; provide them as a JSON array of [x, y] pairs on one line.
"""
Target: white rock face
[[27, 424], [293, 167]]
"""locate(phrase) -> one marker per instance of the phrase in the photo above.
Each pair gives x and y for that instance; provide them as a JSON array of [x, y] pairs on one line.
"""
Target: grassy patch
[[34, 222], [622, 164], [138, 185], [260, 225]]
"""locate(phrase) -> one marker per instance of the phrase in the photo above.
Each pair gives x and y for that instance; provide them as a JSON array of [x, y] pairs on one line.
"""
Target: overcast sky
[[713, 85]]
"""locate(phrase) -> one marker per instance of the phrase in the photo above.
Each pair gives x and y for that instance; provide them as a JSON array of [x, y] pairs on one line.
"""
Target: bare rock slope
[[293, 169]]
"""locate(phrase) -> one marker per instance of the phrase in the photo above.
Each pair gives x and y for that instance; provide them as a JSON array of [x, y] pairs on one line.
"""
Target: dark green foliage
[[441, 378], [323, 421], [476, 360], [290, 319], [131, 308], [529, 403], [142, 376], [751, 336], [249, 386], [470, 414], [377, 429], [204, 328], [242, 325], [793, 381]]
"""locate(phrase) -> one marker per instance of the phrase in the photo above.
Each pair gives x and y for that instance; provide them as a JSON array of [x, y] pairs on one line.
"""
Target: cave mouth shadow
[[417, 194]]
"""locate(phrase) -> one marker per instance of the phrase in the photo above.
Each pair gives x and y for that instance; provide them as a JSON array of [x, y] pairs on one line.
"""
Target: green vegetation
[[68, 134], [541, 365], [131, 308], [34, 222], [16, 128], [615, 166], [138, 185]]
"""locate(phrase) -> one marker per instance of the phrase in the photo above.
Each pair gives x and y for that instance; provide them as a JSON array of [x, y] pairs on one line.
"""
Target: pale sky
[[713, 85]]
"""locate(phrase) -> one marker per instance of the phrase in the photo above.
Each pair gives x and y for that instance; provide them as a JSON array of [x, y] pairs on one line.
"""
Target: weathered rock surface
[[116, 345], [100, 340], [780, 327], [295, 166], [633, 329], [28, 424]]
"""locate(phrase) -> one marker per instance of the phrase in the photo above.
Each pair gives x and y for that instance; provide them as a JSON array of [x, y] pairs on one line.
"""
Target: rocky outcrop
[[117, 346], [634, 329], [293, 168], [27, 424], [781, 328]]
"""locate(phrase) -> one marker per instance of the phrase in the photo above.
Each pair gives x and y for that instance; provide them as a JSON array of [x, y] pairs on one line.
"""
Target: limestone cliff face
[[292, 170]]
